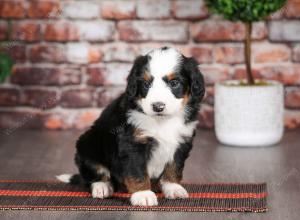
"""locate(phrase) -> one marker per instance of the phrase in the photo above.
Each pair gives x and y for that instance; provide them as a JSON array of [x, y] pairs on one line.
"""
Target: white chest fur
[[168, 132]]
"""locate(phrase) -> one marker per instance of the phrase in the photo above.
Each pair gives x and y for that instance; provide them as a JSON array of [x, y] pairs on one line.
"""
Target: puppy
[[146, 134]]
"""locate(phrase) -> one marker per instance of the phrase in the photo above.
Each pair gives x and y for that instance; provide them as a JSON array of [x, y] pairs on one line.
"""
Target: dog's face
[[163, 82]]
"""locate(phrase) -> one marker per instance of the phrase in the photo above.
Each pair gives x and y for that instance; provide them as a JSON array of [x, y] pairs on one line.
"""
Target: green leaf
[[6, 65], [244, 10]]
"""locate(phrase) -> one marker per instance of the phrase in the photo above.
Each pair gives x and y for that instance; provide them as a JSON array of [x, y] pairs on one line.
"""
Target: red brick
[[292, 119], [219, 30], [140, 31], [12, 9], [206, 116], [94, 55], [16, 51], [296, 53], [192, 10], [9, 97], [61, 31], [35, 76], [26, 31], [118, 10], [27, 75], [110, 74], [43, 9], [213, 74], [47, 53], [157, 9], [292, 9], [45, 76], [11, 121], [287, 74], [77, 98], [292, 97], [265, 52], [40, 98], [107, 95], [229, 53], [95, 76], [240, 73], [203, 54], [3, 30], [70, 76]]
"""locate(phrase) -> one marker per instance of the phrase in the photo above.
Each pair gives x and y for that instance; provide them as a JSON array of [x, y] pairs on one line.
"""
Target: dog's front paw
[[144, 198], [101, 190], [174, 190]]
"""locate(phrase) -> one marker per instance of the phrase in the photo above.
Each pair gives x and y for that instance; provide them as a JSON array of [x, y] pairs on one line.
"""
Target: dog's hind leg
[[97, 177], [102, 187]]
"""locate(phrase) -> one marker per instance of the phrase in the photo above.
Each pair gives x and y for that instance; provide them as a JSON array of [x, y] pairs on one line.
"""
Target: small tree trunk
[[247, 51]]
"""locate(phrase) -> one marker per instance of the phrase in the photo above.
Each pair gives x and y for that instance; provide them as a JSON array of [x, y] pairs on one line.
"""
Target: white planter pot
[[249, 115]]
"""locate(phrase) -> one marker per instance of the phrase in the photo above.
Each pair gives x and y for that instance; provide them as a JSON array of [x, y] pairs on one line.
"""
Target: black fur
[[197, 88], [110, 141]]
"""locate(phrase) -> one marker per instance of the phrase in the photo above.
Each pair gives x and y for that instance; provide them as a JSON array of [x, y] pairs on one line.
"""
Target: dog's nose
[[158, 106]]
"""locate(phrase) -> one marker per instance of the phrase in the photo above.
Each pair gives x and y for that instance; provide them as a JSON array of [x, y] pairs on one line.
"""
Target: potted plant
[[248, 112]]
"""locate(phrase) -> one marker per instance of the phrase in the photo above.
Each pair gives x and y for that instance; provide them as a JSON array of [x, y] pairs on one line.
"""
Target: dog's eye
[[174, 83], [147, 84]]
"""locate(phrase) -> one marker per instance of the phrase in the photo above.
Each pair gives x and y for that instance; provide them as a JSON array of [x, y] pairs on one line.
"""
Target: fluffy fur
[[146, 134]]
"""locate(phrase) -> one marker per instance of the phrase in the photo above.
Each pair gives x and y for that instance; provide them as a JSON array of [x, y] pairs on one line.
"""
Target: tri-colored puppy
[[146, 134]]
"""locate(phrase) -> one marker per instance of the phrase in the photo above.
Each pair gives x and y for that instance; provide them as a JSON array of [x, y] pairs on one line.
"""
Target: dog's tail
[[73, 179]]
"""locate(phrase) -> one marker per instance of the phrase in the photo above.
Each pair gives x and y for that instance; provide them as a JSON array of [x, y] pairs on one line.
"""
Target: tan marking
[[171, 173], [147, 76], [171, 76], [133, 184], [139, 136], [102, 170], [185, 99]]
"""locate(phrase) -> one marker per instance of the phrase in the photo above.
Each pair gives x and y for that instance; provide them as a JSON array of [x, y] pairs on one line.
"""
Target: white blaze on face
[[162, 63]]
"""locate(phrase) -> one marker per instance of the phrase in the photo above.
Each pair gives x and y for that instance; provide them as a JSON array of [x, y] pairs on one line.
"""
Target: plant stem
[[247, 51]]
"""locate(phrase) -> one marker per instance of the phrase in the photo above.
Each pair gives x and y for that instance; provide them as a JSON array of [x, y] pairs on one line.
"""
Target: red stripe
[[160, 195], [43, 193], [196, 208]]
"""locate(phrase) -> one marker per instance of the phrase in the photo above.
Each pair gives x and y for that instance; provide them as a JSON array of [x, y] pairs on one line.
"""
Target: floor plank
[[43, 154]]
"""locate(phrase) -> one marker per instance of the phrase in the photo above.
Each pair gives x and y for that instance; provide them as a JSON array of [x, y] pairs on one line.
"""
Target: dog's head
[[164, 82]]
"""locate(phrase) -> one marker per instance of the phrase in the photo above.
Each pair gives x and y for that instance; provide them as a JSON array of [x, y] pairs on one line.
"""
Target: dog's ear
[[197, 86], [134, 73]]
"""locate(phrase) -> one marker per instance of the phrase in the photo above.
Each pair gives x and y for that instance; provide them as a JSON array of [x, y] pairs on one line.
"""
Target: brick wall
[[72, 57]]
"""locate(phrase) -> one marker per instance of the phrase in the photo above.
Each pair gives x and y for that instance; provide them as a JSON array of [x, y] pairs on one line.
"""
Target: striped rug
[[53, 195]]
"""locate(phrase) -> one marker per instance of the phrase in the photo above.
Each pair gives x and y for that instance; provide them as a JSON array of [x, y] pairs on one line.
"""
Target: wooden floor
[[42, 155]]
